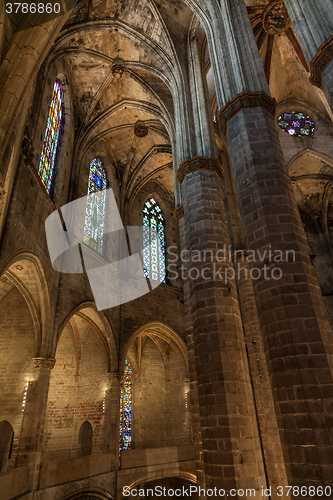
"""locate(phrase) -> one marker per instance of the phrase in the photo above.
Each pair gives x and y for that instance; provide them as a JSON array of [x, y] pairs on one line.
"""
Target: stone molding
[[27, 151], [44, 363], [320, 61], [179, 213], [245, 100], [198, 163], [39, 180]]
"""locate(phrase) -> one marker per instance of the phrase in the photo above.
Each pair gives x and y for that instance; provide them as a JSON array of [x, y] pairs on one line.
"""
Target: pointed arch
[[156, 475], [95, 208], [160, 331], [25, 271], [100, 325], [154, 264], [85, 439], [6, 443]]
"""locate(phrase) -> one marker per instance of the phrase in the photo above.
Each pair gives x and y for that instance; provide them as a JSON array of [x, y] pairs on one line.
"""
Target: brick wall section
[[225, 399], [17, 347], [75, 399], [297, 334], [160, 418]]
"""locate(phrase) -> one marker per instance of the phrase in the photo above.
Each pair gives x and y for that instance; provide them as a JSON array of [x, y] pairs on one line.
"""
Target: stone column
[[231, 448], [113, 417], [298, 336], [269, 432], [296, 331], [313, 23], [35, 414], [194, 394]]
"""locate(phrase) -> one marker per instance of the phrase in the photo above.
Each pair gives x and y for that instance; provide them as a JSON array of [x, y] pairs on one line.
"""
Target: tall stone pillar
[[35, 414], [269, 432], [231, 449], [293, 318], [313, 23], [297, 335], [113, 417], [296, 331]]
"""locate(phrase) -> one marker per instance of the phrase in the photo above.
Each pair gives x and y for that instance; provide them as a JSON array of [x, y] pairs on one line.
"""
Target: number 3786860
[[305, 491], [32, 8]]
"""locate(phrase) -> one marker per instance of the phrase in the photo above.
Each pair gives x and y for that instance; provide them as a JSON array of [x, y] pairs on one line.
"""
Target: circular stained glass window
[[297, 124]]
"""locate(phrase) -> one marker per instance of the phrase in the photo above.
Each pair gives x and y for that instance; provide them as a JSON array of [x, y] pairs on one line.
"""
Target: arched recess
[[85, 439], [6, 444], [311, 174], [25, 272], [99, 323], [160, 386], [162, 332], [89, 494], [25, 325], [79, 383], [295, 164], [164, 478]]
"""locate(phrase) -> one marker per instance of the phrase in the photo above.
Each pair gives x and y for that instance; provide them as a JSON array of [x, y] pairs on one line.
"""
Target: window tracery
[[153, 242], [95, 208], [297, 124], [51, 137], [125, 424]]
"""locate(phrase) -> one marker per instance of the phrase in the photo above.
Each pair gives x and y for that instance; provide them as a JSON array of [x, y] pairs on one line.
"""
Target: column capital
[[44, 363], [321, 60], [245, 100], [179, 213], [198, 163]]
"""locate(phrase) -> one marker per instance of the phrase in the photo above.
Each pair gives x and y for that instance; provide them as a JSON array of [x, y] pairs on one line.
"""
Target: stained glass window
[[51, 138], [125, 424], [153, 242], [297, 124], [95, 209]]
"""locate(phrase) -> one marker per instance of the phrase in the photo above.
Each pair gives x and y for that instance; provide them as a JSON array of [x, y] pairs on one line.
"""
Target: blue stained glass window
[[95, 208], [51, 138], [297, 124], [125, 423], [153, 242]]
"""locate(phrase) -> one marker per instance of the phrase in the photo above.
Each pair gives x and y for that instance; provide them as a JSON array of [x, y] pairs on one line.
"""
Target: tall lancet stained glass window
[[95, 208], [153, 242], [125, 425], [51, 138]]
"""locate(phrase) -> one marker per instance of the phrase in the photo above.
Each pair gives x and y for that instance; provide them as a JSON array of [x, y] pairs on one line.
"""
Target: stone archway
[[87, 494]]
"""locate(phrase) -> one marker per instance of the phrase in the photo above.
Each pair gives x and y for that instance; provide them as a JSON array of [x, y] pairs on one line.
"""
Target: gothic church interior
[[211, 121]]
